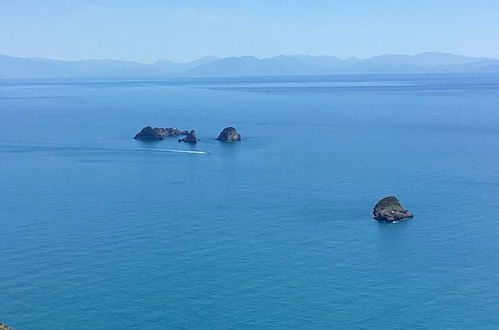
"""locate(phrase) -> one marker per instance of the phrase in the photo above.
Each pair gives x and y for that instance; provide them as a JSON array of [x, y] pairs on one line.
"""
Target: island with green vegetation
[[389, 209]]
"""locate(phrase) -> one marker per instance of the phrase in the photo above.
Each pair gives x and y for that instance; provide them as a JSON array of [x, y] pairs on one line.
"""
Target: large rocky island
[[158, 133], [229, 134], [389, 209]]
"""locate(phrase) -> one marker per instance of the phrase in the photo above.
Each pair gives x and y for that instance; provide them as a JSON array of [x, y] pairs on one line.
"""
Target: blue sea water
[[102, 231]]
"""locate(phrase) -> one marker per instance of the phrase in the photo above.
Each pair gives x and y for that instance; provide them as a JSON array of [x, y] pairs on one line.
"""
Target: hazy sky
[[148, 30]]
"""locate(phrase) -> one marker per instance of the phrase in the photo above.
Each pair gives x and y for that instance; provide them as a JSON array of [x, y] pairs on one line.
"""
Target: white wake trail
[[182, 151]]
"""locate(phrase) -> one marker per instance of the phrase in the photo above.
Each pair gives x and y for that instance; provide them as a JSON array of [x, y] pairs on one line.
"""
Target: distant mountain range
[[431, 62]]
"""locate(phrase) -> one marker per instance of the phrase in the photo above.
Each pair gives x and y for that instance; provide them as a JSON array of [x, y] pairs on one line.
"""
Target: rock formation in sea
[[389, 209], [157, 133], [190, 138], [229, 134]]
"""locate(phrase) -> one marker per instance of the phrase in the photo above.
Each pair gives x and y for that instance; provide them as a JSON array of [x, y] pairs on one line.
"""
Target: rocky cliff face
[[229, 134], [157, 133], [190, 138], [389, 209], [4, 326]]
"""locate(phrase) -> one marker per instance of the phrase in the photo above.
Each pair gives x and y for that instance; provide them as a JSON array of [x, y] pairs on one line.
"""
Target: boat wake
[[37, 148], [181, 151]]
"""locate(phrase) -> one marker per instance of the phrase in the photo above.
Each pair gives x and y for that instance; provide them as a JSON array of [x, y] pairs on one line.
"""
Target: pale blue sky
[[148, 30]]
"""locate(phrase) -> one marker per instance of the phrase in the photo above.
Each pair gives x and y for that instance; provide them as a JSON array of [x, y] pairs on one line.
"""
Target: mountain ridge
[[428, 62]]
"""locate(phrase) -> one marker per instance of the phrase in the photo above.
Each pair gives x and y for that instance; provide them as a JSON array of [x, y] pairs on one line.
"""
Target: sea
[[101, 231]]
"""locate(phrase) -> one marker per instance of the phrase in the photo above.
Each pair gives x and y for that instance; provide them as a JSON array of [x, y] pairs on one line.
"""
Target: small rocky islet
[[229, 134], [190, 138], [389, 209]]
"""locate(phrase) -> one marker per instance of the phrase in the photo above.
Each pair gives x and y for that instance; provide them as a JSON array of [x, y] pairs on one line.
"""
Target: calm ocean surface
[[102, 231]]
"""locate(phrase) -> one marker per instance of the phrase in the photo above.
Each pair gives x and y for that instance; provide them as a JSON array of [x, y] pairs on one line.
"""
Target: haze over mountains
[[430, 62]]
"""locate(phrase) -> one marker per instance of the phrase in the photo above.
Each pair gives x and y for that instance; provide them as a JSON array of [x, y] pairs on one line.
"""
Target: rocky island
[[157, 133], [389, 209], [190, 138], [229, 134]]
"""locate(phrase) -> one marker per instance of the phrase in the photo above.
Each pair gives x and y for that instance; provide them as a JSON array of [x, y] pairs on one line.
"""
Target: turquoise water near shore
[[275, 232]]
